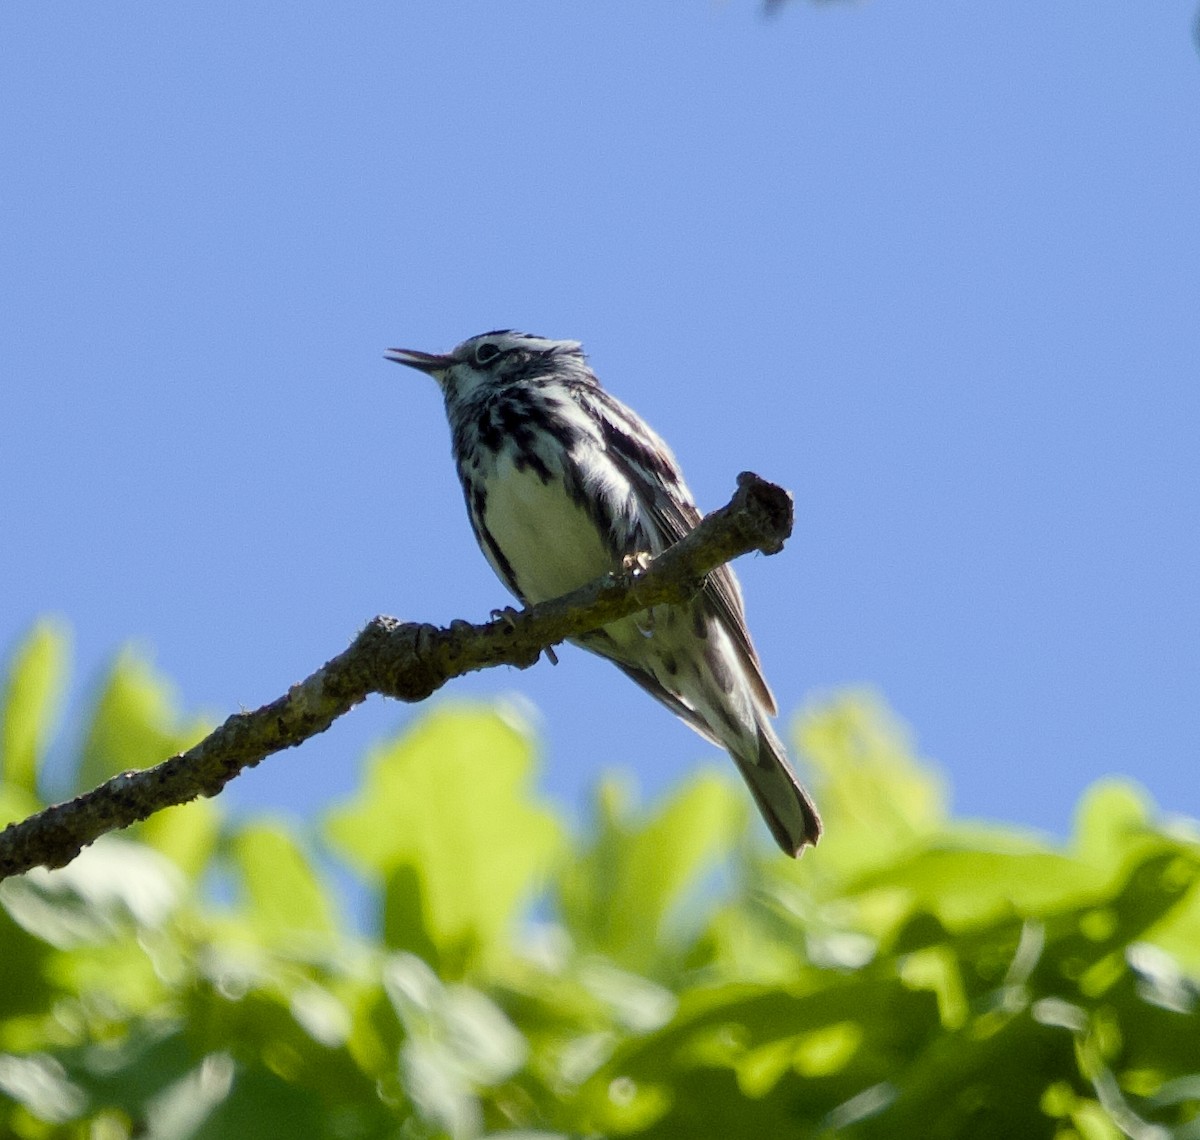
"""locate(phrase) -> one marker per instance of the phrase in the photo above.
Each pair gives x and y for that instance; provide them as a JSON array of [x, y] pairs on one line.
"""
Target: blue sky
[[934, 267]]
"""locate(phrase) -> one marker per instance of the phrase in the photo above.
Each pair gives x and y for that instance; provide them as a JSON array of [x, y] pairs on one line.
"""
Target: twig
[[406, 660]]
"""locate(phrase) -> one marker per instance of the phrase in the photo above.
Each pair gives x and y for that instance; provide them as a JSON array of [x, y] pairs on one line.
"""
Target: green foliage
[[29, 705], [446, 819], [134, 724], [914, 976]]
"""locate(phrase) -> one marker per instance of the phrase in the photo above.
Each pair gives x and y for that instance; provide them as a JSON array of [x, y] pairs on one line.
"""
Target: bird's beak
[[422, 361]]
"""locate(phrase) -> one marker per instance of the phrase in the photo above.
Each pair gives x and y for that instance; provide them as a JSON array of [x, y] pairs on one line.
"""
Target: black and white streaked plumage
[[562, 482]]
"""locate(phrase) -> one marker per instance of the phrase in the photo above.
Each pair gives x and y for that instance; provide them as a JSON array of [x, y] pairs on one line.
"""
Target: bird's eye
[[486, 353]]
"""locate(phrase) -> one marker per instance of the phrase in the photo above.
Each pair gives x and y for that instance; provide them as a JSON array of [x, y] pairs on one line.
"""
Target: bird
[[564, 483]]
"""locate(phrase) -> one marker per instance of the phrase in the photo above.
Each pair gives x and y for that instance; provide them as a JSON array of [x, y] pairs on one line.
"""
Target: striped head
[[492, 361]]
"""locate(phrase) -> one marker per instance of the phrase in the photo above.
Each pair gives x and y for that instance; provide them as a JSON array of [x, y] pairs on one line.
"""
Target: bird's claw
[[508, 615], [636, 563]]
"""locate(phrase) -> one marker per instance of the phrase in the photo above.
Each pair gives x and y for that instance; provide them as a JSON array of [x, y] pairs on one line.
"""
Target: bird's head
[[494, 360]]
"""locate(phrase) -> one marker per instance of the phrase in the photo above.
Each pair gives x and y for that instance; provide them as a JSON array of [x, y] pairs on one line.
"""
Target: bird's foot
[[635, 564], [508, 615]]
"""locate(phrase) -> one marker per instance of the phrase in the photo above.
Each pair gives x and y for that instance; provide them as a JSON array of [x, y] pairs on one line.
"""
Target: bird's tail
[[785, 804]]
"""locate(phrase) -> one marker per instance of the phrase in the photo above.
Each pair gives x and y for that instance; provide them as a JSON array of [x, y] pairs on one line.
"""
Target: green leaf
[[30, 702], [914, 976], [982, 1081], [134, 724], [1178, 932], [876, 797], [965, 883], [1092, 946], [458, 1042], [447, 817], [41, 1086], [1112, 815], [221, 1098], [26, 957], [285, 895], [133, 1070], [16, 804], [763, 1060], [187, 834], [109, 887], [617, 897]]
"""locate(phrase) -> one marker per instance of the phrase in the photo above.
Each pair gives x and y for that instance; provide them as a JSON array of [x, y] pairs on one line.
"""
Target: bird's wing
[[667, 507]]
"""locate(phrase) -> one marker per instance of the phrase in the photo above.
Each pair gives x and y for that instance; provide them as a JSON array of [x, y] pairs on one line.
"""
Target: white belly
[[551, 545]]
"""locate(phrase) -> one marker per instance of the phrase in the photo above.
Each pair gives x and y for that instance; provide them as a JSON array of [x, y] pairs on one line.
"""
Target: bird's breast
[[551, 543]]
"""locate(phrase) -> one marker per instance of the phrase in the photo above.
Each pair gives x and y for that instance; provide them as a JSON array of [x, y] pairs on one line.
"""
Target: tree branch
[[406, 660]]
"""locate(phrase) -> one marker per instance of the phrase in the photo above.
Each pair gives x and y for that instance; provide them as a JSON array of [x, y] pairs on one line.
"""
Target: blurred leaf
[[131, 1072], [187, 834], [220, 1099], [458, 1043], [876, 797], [29, 705], [451, 801], [985, 1081], [1089, 948], [1112, 815], [80, 929], [286, 898], [1178, 931], [913, 977], [213, 1098], [762, 1061], [16, 804], [107, 888], [134, 723], [617, 896], [40, 1084], [964, 883], [26, 958]]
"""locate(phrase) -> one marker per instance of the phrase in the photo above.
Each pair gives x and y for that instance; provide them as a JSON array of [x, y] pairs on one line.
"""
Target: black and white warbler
[[562, 483]]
